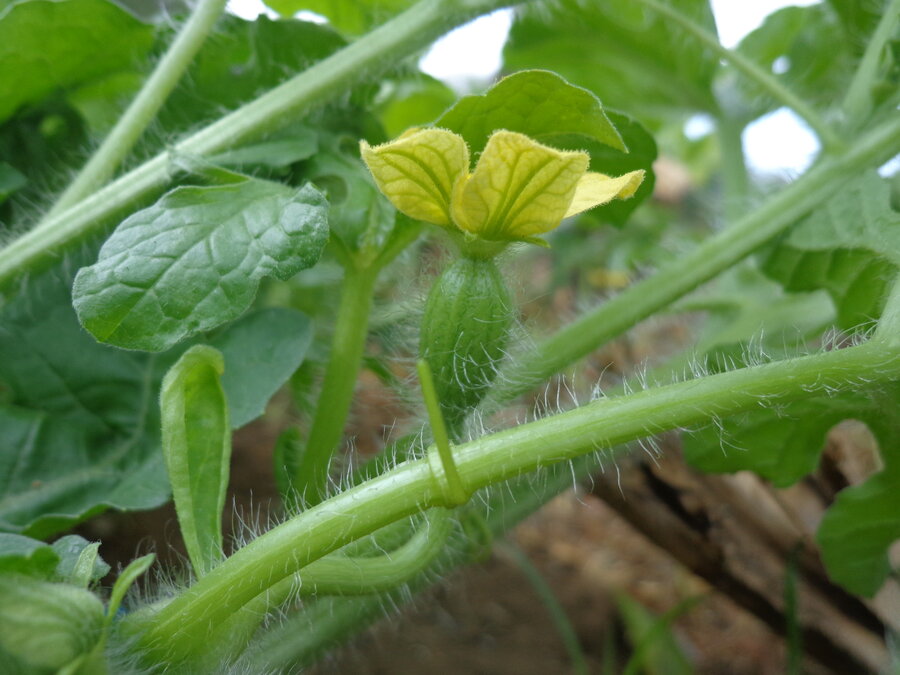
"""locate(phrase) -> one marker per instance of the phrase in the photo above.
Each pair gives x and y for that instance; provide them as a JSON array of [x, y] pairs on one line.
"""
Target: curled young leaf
[[196, 440]]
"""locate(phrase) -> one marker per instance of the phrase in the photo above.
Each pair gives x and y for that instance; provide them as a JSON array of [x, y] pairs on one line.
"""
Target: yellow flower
[[519, 189]]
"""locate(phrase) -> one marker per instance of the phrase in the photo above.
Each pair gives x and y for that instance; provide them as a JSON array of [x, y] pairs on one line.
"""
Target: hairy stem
[[766, 80], [858, 100], [714, 256], [347, 345], [386, 45], [179, 627], [143, 108]]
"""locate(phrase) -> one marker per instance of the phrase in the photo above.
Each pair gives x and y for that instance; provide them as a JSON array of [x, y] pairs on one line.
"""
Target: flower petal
[[417, 171], [595, 189], [520, 188]]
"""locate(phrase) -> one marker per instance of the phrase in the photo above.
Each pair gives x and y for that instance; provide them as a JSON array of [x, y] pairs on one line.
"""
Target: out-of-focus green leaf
[[291, 146], [24, 555], [803, 46], [101, 102], [44, 626], [352, 17], [10, 181], [256, 368], [750, 317], [79, 561], [47, 45], [193, 260], [858, 18], [630, 57], [413, 102], [243, 59], [196, 442], [655, 649], [80, 422], [537, 103], [850, 246]]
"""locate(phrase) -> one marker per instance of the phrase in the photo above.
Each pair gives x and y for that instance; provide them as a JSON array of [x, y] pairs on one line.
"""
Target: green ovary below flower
[[519, 189]]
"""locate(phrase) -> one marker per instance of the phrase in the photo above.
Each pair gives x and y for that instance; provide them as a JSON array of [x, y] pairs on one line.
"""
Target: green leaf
[[80, 425], [850, 246], [745, 308], [805, 46], [413, 102], [353, 17], [858, 19], [10, 181], [630, 57], [257, 366], [45, 625], [359, 216], [781, 444], [291, 146], [24, 555], [857, 531], [537, 103], [641, 154], [193, 260], [79, 561], [196, 442], [49, 45]]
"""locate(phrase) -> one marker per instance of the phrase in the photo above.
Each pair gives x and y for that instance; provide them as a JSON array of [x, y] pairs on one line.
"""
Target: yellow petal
[[520, 188], [417, 171], [595, 189]]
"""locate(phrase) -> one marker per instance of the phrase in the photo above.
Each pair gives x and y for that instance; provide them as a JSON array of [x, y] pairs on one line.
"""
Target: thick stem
[[858, 100], [183, 624], [388, 44], [712, 257], [750, 69], [347, 345], [143, 108]]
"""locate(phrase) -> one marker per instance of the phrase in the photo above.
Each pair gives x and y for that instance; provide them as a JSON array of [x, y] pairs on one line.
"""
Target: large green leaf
[[49, 45], [630, 57], [850, 247], [193, 260], [79, 426], [537, 103]]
